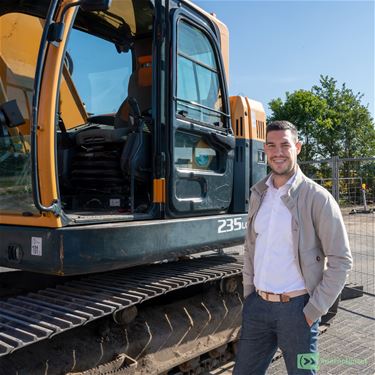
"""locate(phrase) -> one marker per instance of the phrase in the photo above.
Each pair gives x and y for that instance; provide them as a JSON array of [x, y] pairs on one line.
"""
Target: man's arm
[[248, 272], [248, 265], [330, 229]]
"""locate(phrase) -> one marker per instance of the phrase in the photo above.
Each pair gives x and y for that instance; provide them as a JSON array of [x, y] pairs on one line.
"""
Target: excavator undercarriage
[[159, 319]]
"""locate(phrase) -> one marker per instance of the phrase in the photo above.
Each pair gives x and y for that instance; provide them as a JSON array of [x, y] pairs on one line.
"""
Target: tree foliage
[[331, 121]]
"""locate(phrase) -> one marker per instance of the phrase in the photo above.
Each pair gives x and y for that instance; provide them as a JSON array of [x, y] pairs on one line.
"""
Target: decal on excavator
[[231, 225]]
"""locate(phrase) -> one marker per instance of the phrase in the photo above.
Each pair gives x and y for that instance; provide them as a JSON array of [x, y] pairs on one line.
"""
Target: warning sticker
[[114, 202], [253, 119], [36, 246]]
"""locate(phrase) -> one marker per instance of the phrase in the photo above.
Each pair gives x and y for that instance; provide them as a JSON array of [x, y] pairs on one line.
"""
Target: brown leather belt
[[283, 297]]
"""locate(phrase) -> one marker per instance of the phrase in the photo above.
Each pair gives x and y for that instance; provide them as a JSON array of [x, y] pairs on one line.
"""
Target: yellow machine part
[[17, 65], [17, 71], [248, 118]]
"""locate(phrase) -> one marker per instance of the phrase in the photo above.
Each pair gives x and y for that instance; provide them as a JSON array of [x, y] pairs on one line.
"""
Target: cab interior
[[104, 145]]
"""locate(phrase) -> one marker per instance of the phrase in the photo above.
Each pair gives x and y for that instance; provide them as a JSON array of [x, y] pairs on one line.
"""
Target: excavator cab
[[124, 132]]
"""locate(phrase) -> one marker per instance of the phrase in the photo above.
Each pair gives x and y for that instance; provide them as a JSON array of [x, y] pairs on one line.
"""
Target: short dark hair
[[282, 125]]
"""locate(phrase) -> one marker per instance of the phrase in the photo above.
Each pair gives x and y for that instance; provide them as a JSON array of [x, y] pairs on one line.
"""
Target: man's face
[[282, 149]]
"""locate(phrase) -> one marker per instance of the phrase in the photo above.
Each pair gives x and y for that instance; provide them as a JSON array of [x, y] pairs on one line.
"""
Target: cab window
[[199, 95], [19, 44]]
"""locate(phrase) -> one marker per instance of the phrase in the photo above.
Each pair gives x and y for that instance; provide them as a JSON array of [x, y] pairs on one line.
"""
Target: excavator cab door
[[201, 139]]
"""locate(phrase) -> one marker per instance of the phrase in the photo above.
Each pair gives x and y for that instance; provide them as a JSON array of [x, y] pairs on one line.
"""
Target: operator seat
[[139, 87], [136, 155]]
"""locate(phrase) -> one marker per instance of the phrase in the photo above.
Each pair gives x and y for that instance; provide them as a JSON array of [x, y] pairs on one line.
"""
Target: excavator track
[[28, 319]]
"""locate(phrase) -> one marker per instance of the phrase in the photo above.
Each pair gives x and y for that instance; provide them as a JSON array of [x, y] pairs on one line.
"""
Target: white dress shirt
[[275, 266]]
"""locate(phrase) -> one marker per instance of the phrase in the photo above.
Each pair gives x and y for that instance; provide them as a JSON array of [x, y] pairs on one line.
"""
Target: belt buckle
[[267, 296], [284, 298]]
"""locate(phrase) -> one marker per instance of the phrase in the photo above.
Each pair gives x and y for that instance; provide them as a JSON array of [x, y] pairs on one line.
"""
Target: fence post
[[363, 188], [335, 177]]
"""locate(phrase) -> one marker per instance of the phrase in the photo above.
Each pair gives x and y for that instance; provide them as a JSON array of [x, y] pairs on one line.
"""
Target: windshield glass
[[101, 78], [102, 56], [17, 69]]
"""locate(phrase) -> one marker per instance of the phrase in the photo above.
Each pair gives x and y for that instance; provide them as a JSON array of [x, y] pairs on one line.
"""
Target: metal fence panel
[[352, 183]]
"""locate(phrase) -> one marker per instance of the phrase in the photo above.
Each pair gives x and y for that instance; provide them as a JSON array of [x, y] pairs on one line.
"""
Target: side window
[[19, 43], [199, 94]]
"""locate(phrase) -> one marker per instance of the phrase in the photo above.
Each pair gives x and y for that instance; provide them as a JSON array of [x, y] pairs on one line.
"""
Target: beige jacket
[[320, 242]]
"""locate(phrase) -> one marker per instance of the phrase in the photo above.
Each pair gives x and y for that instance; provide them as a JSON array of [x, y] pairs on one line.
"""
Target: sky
[[282, 46]]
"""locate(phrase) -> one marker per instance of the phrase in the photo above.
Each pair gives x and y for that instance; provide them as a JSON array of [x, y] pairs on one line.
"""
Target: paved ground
[[346, 348]]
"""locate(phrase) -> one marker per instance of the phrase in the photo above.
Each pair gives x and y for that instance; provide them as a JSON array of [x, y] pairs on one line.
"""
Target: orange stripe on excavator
[[159, 190]]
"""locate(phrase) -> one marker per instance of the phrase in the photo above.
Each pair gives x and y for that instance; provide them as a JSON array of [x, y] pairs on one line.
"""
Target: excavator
[[125, 170]]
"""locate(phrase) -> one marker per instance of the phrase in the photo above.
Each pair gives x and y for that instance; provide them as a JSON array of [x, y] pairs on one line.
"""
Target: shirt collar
[[288, 184]]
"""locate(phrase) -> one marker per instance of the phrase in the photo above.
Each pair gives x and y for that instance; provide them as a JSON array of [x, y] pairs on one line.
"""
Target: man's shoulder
[[261, 185], [314, 190], [314, 186]]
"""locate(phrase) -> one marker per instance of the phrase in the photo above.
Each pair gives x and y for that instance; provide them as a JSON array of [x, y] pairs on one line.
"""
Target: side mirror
[[95, 5], [56, 29]]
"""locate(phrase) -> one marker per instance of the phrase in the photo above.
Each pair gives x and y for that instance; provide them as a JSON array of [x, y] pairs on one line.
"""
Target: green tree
[[331, 121]]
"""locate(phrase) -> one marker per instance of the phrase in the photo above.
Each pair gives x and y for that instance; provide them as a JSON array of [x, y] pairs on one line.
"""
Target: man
[[296, 261]]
